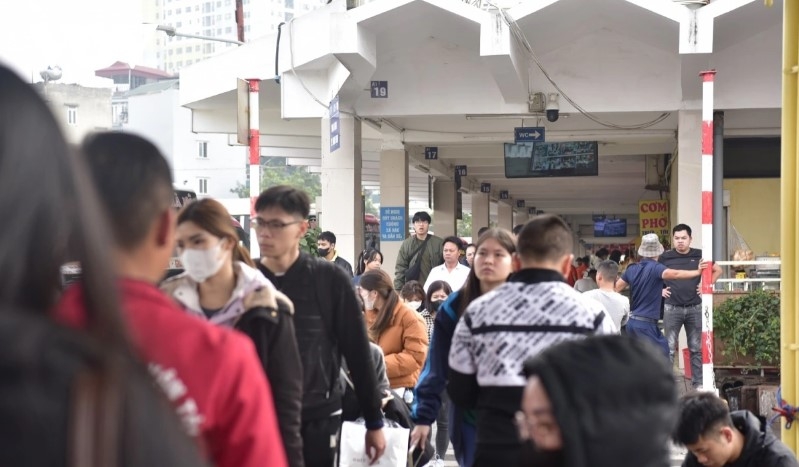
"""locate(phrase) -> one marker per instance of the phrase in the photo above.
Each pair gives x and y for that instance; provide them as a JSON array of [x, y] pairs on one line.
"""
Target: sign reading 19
[[379, 89]]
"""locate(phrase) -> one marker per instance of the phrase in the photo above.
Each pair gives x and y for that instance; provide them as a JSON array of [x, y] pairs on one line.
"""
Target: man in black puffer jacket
[[328, 323], [607, 401], [717, 438]]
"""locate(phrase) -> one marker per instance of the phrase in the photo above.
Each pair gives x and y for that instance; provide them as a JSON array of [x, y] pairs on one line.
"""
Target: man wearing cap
[[646, 283]]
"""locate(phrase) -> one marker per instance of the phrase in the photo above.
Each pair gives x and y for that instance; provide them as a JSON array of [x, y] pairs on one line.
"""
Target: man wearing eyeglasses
[[328, 324]]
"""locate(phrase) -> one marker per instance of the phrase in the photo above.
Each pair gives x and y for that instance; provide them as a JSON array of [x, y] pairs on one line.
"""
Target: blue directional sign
[[461, 170], [379, 89], [519, 203], [392, 224], [529, 134], [485, 188], [431, 153], [335, 128], [503, 194]]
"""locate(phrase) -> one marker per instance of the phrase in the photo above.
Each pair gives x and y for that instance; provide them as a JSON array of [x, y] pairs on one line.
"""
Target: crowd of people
[[257, 362]]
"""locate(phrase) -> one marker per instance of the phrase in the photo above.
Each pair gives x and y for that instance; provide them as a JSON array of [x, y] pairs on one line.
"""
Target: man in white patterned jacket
[[534, 310]]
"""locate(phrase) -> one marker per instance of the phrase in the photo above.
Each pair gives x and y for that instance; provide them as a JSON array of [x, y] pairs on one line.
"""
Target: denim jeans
[[442, 424], [675, 317]]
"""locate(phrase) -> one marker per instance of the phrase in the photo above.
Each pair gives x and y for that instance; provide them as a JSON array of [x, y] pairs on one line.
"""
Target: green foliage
[[308, 242], [295, 176], [750, 326], [465, 225]]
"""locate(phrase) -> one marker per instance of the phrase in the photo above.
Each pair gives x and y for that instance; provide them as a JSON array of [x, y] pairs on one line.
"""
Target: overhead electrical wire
[[519, 36]]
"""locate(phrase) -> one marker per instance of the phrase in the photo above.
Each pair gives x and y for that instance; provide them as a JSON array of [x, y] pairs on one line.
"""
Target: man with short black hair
[[326, 248], [717, 438], [683, 303], [646, 282], [328, 322], [616, 304], [452, 271], [212, 375], [419, 253], [534, 310]]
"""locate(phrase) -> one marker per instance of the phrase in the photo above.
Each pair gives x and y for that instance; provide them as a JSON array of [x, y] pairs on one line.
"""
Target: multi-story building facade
[[212, 18], [80, 110]]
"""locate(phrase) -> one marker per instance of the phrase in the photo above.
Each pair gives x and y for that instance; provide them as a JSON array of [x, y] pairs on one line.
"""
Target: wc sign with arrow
[[529, 134]]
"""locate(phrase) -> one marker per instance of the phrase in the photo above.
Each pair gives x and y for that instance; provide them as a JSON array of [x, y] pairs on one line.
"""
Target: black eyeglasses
[[272, 226]]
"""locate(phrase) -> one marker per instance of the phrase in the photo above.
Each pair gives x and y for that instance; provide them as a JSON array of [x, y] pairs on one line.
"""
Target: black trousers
[[320, 441]]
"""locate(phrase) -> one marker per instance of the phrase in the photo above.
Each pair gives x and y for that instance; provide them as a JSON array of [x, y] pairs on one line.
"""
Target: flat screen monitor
[[610, 227], [565, 159]]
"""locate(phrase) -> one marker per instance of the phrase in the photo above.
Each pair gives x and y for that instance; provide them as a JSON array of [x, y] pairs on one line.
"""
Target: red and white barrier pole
[[708, 378], [255, 159]]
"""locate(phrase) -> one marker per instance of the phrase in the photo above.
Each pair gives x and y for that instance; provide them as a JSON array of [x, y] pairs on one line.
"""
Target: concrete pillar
[[444, 208], [504, 216], [342, 207], [393, 191], [480, 213], [686, 193], [520, 216]]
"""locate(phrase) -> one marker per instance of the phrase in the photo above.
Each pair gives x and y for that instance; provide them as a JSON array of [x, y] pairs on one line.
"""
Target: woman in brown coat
[[397, 329]]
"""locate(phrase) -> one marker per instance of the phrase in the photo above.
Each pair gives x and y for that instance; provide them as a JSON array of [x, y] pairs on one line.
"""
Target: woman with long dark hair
[[369, 259], [492, 266], [397, 329], [66, 397], [222, 285]]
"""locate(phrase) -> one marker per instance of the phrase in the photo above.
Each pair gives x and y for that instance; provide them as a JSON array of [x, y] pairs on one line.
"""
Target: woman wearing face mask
[[221, 284], [369, 260], [437, 293], [397, 329], [492, 266], [412, 294]]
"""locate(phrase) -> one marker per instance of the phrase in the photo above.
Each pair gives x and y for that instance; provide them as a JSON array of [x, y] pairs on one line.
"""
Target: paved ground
[[677, 452]]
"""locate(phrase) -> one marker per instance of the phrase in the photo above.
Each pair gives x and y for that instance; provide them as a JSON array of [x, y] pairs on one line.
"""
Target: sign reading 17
[[380, 89]]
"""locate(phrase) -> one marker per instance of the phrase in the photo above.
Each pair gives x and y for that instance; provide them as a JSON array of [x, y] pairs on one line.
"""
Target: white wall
[[93, 107], [160, 118]]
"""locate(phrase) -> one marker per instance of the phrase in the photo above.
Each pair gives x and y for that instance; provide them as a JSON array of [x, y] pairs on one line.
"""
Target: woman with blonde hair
[[397, 329], [222, 285]]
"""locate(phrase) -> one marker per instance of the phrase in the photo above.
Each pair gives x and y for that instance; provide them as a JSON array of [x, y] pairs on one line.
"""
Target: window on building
[[171, 51], [218, 4], [289, 15], [228, 30], [290, 4], [207, 21], [202, 149], [180, 63], [202, 186], [178, 24], [179, 50], [208, 48], [196, 7], [218, 31], [72, 114], [169, 12], [189, 62], [208, 7], [180, 10], [246, 14], [196, 48]]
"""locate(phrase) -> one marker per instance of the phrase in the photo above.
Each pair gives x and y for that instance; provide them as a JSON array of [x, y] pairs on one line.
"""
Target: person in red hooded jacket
[[211, 375]]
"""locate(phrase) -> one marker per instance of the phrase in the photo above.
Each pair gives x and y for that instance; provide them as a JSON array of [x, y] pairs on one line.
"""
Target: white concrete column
[[480, 213], [520, 216], [342, 208], [686, 193], [504, 216], [393, 192], [444, 220]]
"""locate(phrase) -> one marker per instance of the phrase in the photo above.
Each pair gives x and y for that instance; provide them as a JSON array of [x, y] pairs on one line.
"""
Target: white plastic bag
[[352, 451]]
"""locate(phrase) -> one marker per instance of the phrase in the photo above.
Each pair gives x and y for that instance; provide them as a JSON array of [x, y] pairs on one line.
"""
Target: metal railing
[[728, 283]]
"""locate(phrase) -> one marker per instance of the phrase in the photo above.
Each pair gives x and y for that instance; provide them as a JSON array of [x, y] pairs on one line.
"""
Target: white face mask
[[414, 305], [202, 264]]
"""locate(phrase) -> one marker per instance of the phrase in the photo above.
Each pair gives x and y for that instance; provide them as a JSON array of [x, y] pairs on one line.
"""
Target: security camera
[[553, 109]]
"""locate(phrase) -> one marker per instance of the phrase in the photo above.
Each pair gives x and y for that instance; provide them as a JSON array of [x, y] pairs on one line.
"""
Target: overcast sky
[[79, 35]]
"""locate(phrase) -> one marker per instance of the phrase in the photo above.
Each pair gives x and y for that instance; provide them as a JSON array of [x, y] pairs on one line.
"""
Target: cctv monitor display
[[565, 159], [610, 227]]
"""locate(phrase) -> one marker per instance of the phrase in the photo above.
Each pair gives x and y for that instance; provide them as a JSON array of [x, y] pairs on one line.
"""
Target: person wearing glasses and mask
[[326, 320], [600, 401], [220, 284]]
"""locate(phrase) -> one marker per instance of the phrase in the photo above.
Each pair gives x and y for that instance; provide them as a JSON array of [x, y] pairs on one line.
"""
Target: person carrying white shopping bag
[[351, 448]]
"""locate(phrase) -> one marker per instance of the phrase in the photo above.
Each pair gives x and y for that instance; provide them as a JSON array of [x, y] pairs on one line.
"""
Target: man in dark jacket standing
[[418, 253], [328, 323], [717, 438], [326, 248]]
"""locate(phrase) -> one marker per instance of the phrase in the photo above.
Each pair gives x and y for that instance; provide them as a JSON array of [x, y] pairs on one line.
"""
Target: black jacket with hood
[[614, 399], [761, 447], [329, 324]]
